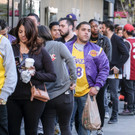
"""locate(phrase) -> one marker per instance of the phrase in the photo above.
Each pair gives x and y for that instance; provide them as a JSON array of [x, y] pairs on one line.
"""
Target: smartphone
[[17, 59]]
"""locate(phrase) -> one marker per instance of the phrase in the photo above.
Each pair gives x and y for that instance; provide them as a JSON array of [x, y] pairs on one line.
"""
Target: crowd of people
[[73, 61]]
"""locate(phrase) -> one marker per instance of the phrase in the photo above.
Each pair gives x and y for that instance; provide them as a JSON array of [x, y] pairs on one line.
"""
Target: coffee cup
[[29, 62]]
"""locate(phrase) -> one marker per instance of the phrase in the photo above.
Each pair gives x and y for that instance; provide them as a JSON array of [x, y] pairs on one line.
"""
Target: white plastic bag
[[26, 76], [90, 117]]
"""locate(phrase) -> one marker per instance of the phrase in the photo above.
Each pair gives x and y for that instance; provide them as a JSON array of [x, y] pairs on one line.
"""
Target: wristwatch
[[2, 102], [97, 88]]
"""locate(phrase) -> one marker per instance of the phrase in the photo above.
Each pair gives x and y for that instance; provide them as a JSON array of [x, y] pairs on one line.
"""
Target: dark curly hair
[[3, 24], [109, 24]]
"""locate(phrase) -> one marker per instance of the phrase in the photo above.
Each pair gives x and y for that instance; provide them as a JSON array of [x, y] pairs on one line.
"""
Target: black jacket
[[44, 73], [119, 52], [105, 43], [61, 39]]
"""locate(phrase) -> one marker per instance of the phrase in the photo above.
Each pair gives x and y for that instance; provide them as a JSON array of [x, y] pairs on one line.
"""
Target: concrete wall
[[84, 9]]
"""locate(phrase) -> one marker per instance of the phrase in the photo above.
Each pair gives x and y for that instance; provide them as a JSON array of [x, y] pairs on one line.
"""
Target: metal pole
[[111, 11], [13, 13], [30, 6], [8, 12], [20, 9], [133, 13]]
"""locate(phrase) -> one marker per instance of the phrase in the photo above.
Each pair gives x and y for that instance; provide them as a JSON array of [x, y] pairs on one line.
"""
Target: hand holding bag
[[39, 94], [90, 117]]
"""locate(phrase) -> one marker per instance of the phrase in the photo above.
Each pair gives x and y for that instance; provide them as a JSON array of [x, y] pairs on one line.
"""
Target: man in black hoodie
[[119, 57]]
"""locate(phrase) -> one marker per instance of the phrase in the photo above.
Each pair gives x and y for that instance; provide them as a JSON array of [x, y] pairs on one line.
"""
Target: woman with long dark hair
[[61, 92], [19, 105]]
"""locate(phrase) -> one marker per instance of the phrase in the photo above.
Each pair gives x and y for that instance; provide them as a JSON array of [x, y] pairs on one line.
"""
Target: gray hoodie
[[62, 60], [9, 73]]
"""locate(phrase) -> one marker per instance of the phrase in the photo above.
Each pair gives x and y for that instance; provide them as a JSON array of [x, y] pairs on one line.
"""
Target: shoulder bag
[[38, 94]]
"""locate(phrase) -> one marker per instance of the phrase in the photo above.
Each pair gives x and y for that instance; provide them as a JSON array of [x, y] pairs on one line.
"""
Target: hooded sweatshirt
[[8, 74]]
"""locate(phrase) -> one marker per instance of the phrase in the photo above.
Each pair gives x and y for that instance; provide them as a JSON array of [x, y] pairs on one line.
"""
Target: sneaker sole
[[112, 122], [126, 114]]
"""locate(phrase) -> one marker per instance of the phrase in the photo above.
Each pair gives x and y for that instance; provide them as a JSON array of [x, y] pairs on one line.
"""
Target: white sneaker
[[100, 132], [107, 115]]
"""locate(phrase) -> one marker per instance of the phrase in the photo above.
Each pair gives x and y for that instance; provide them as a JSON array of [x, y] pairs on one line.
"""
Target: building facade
[[84, 9], [12, 10], [53, 10]]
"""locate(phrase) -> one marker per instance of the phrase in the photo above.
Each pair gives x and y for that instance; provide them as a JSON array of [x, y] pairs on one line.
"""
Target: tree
[[129, 6]]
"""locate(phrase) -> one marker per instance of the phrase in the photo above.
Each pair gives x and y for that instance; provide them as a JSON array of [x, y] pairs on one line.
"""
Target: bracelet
[[2, 102]]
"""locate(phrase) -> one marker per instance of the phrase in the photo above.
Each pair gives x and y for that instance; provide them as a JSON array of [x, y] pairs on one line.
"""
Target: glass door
[[14, 7], [12, 10], [30, 6]]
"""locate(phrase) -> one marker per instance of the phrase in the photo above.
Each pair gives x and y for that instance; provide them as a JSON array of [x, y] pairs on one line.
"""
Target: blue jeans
[[79, 103], [113, 86], [106, 98], [3, 120]]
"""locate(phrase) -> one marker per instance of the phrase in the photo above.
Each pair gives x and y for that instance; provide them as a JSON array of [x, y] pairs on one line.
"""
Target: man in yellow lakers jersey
[[8, 79], [92, 70]]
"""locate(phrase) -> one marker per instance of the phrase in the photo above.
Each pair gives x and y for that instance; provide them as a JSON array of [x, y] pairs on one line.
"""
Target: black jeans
[[100, 103], [3, 120], [130, 93], [29, 110], [123, 88], [113, 86], [61, 107]]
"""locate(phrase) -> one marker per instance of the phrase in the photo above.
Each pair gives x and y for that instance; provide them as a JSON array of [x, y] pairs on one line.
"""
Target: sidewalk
[[125, 125]]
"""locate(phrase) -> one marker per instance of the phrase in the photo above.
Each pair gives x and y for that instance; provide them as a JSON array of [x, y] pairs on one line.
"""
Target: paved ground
[[125, 126]]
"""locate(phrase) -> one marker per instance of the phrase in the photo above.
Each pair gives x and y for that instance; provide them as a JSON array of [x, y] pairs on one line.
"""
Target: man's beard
[[105, 33], [66, 34], [95, 34]]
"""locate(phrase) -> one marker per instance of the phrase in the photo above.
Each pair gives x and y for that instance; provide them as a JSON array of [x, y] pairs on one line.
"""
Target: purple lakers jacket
[[96, 63]]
